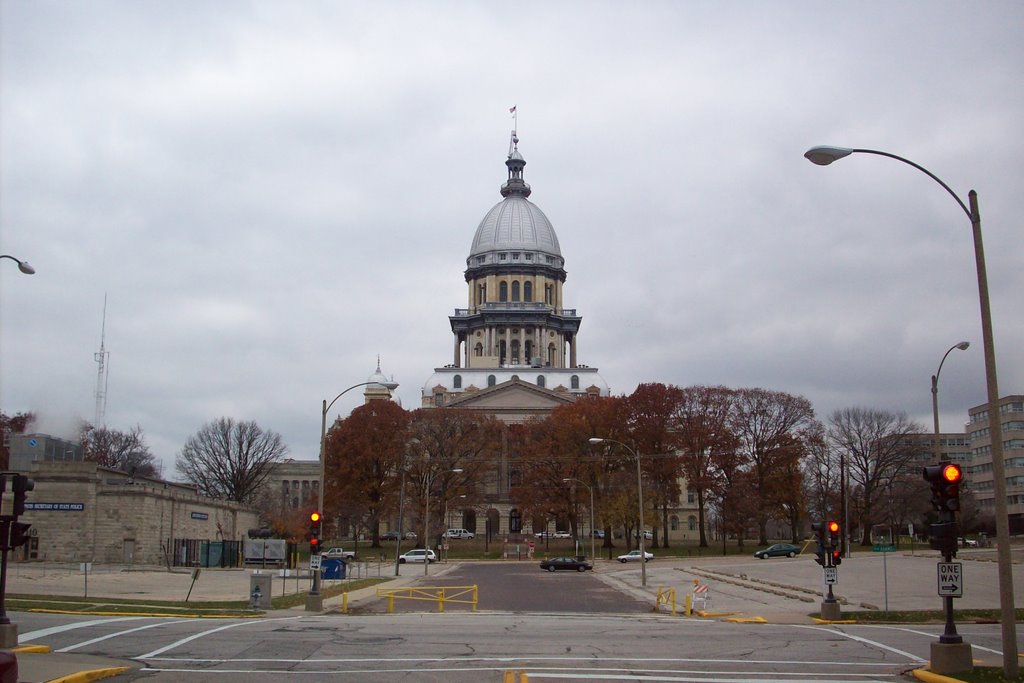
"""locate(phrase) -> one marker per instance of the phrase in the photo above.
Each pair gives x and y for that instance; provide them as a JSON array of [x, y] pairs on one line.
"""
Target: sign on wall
[[200, 515], [60, 507]]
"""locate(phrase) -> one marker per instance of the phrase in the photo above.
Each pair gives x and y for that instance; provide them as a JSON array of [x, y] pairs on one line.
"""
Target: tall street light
[[314, 602], [23, 266], [591, 489], [640, 498], [935, 396], [824, 156]]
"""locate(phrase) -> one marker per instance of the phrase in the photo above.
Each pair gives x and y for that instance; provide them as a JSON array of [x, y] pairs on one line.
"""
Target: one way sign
[[951, 579]]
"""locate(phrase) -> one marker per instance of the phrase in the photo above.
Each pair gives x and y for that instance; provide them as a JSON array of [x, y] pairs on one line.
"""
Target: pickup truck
[[338, 554]]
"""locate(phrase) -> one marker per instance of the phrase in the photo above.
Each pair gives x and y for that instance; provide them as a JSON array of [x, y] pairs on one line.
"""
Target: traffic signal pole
[[950, 654]]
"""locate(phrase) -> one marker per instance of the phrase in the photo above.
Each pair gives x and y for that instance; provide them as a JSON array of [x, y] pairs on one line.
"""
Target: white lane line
[[935, 636], [201, 634], [512, 659], [118, 634], [866, 641], [43, 632], [633, 675]]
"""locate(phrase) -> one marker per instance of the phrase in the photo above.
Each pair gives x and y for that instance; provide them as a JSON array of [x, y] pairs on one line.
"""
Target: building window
[[551, 354], [574, 382], [691, 523], [528, 358], [502, 257], [691, 497], [528, 292], [503, 291], [438, 399], [515, 351], [478, 349], [490, 380], [540, 380], [457, 381], [481, 294], [673, 523], [529, 257], [515, 256], [515, 290], [515, 521]]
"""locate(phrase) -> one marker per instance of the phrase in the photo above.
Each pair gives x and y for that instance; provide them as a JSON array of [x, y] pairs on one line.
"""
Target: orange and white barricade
[[701, 594]]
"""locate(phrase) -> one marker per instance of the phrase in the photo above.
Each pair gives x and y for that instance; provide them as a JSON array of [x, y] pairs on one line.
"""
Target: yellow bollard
[[689, 604], [440, 600], [523, 677], [391, 603], [509, 677], [344, 602], [474, 597]]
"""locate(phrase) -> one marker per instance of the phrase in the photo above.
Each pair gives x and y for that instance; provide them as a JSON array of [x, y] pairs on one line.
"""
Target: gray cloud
[[272, 194]]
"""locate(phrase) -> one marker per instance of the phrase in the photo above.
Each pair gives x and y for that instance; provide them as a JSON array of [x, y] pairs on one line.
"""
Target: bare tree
[[230, 460], [876, 448], [125, 451]]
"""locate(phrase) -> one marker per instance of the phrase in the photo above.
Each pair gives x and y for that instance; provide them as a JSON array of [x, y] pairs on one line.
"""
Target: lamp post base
[[950, 658], [830, 611], [314, 603]]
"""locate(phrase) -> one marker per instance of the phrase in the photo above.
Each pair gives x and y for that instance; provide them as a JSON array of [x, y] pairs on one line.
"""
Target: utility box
[[259, 590]]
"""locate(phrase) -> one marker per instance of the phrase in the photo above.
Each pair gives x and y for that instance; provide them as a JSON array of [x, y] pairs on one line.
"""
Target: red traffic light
[[952, 473], [314, 542]]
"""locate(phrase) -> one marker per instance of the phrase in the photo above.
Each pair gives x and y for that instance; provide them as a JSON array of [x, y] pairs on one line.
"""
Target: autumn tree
[[230, 460], [452, 453], [18, 423], [125, 451], [651, 411], [704, 439], [363, 461], [876, 446], [766, 422]]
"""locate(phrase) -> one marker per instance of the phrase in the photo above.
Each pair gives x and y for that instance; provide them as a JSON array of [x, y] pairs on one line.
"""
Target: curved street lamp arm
[[924, 170]]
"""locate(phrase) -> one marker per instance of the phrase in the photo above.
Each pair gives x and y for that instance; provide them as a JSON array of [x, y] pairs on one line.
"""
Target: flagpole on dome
[[514, 142]]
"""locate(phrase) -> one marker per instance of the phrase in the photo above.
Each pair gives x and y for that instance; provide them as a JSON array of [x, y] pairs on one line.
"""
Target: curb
[[930, 677], [93, 675]]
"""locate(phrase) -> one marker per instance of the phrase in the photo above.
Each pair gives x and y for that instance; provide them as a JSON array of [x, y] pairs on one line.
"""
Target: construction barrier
[[666, 596], [439, 594], [701, 594]]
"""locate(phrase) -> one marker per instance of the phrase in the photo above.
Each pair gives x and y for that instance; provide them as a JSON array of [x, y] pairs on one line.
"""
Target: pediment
[[513, 395]]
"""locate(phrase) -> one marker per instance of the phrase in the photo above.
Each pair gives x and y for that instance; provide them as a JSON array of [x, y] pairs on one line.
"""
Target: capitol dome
[[515, 223]]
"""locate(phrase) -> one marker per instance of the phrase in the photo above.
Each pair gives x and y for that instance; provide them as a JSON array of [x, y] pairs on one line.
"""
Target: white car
[[417, 555], [634, 556], [338, 554], [458, 533]]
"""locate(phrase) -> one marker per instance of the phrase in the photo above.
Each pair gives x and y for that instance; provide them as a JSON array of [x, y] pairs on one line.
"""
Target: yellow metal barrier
[[515, 677], [439, 594], [666, 596]]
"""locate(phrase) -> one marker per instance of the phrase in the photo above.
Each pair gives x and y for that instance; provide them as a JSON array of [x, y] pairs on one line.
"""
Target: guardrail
[[439, 594]]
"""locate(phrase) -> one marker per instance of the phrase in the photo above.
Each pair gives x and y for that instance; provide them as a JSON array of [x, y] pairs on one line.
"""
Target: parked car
[[969, 542], [648, 535], [561, 534], [338, 554], [393, 535], [417, 555], [555, 563], [634, 556], [598, 533], [459, 533], [778, 550]]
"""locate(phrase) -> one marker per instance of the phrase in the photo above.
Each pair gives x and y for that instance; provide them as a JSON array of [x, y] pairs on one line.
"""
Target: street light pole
[[314, 602], [23, 266], [640, 501], [591, 489], [935, 397], [825, 155]]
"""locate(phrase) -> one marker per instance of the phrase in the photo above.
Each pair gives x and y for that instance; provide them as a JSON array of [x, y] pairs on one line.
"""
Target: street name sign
[[951, 579], [831, 575]]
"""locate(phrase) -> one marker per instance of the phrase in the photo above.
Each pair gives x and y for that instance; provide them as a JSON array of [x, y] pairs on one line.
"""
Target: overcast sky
[[271, 194]]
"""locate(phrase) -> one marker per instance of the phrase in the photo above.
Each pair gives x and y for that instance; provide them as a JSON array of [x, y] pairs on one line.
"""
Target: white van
[[459, 533]]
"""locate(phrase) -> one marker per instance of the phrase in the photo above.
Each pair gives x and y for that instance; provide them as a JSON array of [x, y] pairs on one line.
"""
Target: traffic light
[[22, 485], [837, 558], [314, 533], [833, 535], [819, 533], [19, 534], [942, 537], [945, 479]]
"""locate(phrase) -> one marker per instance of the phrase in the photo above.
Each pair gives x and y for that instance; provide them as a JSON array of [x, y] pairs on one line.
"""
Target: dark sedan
[[556, 563], [778, 550]]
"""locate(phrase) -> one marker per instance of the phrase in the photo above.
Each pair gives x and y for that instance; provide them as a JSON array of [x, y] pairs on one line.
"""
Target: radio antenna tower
[[101, 376]]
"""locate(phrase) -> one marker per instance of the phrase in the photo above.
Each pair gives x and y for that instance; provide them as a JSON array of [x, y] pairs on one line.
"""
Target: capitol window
[[457, 382], [490, 380]]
